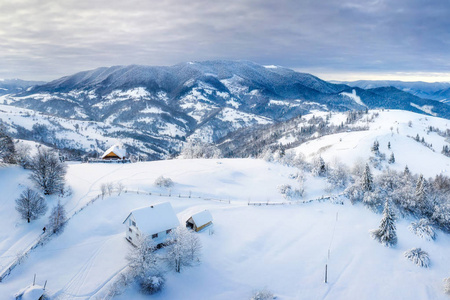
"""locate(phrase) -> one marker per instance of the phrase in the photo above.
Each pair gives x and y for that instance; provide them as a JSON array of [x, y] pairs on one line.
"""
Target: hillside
[[246, 252], [206, 100]]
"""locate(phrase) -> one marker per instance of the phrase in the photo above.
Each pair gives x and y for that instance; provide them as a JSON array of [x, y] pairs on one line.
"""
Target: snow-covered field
[[389, 127], [284, 248]]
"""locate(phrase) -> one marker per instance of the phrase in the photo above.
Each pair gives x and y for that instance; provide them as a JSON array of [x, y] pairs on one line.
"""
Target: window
[[133, 223], [154, 236], [168, 231], [130, 238], [130, 230]]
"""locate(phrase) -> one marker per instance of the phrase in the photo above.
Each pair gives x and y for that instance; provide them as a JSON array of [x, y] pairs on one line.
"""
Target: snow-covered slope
[[283, 248], [399, 128]]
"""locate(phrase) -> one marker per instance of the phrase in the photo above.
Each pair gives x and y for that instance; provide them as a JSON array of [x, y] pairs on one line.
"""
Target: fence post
[[326, 273]]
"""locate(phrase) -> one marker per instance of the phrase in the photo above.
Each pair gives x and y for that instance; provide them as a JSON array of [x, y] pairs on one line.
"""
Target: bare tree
[[31, 205], [48, 171], [57, 218], [183, 250], [119, 188], [103, 189]]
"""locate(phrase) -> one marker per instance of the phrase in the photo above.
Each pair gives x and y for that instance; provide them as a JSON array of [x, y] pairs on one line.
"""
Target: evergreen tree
[[367, 180], [57, 218], [30, 205], [420, 189], [375, 147], [391, 159], [406, 172], [389, 145], [386, 234]]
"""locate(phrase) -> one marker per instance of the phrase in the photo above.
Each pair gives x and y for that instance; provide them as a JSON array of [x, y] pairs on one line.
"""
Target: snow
[[353, 96], [281, 247], [155, 218], [202, 218], [33, 292], [271, 67], [425, 108], [354, 147]]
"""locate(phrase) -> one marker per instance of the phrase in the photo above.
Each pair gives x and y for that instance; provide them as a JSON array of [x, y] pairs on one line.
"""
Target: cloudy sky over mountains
[[43, 40]]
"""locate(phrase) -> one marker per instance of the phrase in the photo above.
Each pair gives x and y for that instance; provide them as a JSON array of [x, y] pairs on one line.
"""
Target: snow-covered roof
[[32, 292], [155, 218], [202, 218], [117, 149]]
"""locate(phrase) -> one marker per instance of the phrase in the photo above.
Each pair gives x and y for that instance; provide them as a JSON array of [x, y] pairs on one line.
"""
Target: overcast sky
[[334, 39]]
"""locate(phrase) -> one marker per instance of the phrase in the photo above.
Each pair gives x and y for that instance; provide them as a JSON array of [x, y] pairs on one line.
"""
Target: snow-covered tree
[[319, 168], [447, 285], [386, 233], [263, 294], [406, 172], [391, 159], [31, 205], [199, 149], [183, 250], [145, 265], [420, 189], [7, 149], [423, 228], [367, 179], [165, 182], [57, 218], [418, 257], [375, 147], [48, 172]]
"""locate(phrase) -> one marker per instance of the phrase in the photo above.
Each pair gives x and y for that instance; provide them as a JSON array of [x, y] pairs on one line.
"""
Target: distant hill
[[206, 100]]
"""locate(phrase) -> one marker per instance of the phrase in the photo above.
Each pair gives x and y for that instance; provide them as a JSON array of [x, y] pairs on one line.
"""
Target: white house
[[199, 220], [115, 152], [155, 221]]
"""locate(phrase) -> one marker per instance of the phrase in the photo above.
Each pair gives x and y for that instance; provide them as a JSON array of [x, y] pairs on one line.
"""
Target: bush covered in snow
[[447, 285], [152, 284], [423, 229], [418, 256], [164, 182], [290, 193], [263, 294]]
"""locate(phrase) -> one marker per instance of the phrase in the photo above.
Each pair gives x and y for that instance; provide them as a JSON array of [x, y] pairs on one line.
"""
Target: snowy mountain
[[12, 86], [439, 91], [160, 107]]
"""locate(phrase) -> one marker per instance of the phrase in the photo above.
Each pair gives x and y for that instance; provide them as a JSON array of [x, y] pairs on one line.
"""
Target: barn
[[155, 221], [116, 152], [199, 220]]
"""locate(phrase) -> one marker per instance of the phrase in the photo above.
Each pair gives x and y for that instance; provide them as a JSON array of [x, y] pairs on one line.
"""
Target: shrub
[[152, 284], [263, 294], [161, 181], [447, 285], [418, 257], [423, 229]]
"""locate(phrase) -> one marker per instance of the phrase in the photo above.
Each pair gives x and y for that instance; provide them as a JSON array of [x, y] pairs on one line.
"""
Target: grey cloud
[[44, 40]]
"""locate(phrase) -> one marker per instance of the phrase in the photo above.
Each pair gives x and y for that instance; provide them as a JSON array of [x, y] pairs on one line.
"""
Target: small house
[[116, 152], [155, 221], [199, 220]]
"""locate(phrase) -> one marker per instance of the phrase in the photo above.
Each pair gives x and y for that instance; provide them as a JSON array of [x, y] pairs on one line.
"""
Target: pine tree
[[57, 218], [386, 234], [391, 159], [367, 180], [389, 145], [375, 147], [420, 189], [406, 172]]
